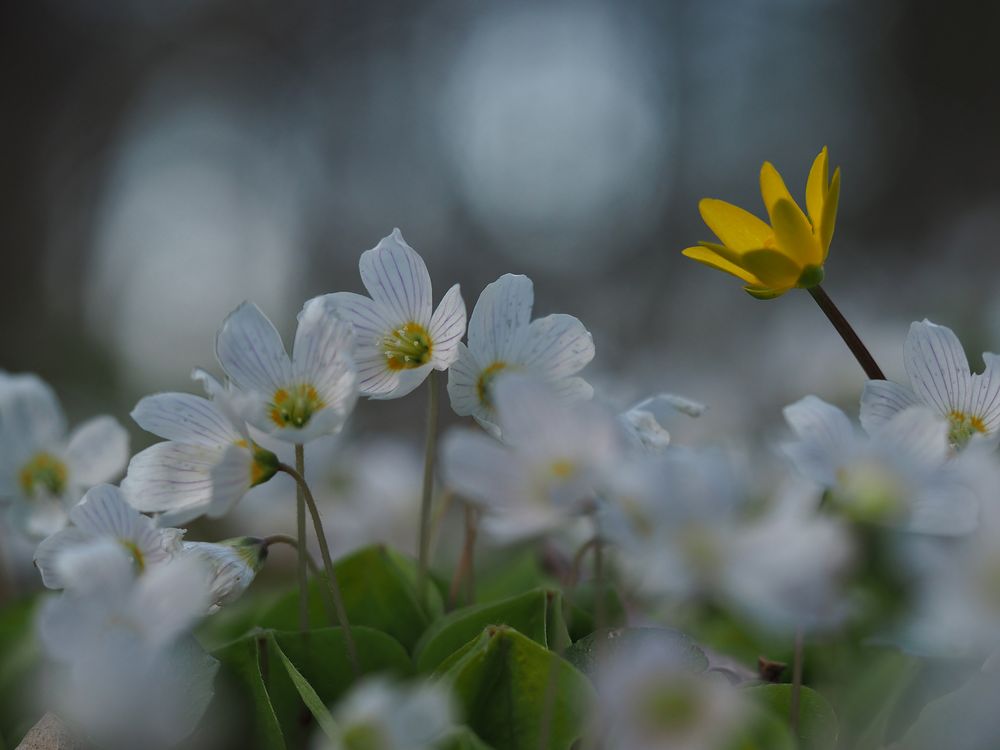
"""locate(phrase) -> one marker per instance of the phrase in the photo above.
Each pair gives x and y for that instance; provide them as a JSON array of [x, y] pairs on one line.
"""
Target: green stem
[[300, 523], [797, 659], [464, 569], [847, 333], [328, 605], [430, 454], [331, 575]]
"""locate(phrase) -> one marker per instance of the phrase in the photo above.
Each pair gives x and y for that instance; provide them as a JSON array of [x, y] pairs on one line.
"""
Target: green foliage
[[581, 607], [462, 738], [536, 614], [513, 691], [584, 653], [20, 658], [818, 727], [379, 590]]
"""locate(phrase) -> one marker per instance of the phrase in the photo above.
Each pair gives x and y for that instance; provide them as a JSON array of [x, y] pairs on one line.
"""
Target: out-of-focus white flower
[[904, 474], [293, 399], [134, 677], [383, 715], [683, 525], [398, 337], [940, 378], [553, 465], [234, 563], [649, 703], [43, 472], [645, 422], [104, 515], [504, 338], [208, 461]]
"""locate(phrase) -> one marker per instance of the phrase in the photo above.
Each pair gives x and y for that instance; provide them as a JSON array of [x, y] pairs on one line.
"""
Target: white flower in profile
[[392, 716], [941, 379], [645, 423], [234, 563], [104, 515], [504, 338], [297, 398], [552, 466], [135, 678], [43, 472], [207, 463], [398, 337], [905, 474]]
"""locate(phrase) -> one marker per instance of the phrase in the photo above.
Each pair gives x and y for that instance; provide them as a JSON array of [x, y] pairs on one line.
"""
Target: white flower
[[504, 338], [553, 466], [104, 515], [398, 340], [941, 379], [391, 716], [905, 474], [208, 462], [42, 471], [644, 422], [135, 678], [294, 399], [234, 563]]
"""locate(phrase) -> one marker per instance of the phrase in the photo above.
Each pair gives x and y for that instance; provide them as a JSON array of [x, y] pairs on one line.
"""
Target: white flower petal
[[30, 415], [938, 368], [52, 548], [375, 379], [97, 451], [169, 599], [397, 279], [39, 517], [573, 389], [501, 317], [322, 358], [815, 420], [556, 346], [250, 351], [463, 384], [918, 434], [479, 468], [406, 381], [104, 512], [185, 418], [881, 400], [447, 328], [986, 393], [171, 477], [231, 479], [364, 314], [232, 573]]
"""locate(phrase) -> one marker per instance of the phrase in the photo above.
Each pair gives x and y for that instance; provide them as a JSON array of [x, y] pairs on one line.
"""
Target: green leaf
[[309, 696], [319, 658], [379, 591], [509, 687], [818, 726], [581, 606], [583, 654], [20, 669], [765, 732], [536, 614], [462, 738]]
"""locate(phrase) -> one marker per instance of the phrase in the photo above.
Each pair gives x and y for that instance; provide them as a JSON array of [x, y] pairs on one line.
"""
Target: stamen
[[408, 347], [294, 407], [485, 382], [43, 470]]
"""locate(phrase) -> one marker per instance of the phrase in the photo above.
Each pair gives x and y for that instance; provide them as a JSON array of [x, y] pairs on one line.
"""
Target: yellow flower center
[[43, 470], [408, 347], [294, 407], [562, 468], [485, 382], [963, 427], [133, 549]]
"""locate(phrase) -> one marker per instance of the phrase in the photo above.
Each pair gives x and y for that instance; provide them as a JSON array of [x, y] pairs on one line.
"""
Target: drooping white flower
[[234, 563], [104, 515], [43, 472], [504, 338], [135, 678], [940, 378], [297, 398], [398, 337], [208, 461], [645, 422], [552, 466], [904, 474], [390, 716]]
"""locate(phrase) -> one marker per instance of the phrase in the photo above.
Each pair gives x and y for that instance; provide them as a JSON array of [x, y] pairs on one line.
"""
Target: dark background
[[163, 161]]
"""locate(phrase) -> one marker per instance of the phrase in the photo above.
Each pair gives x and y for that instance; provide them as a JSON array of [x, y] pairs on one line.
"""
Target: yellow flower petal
[[829, 214], [775, 270], [713, 259], [794, 234], [816, 188], [772, 188], [738, 229]]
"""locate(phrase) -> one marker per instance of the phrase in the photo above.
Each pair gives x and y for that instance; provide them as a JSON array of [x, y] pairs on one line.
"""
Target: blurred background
[[165, 159]]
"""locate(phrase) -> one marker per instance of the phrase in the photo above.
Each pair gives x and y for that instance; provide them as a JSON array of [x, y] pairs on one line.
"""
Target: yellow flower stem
[[847, 333], [430, 455], [300, 522], [330, 573]]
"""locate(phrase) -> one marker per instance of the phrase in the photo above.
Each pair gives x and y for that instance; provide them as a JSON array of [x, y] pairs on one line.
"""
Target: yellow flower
[[787, 254]]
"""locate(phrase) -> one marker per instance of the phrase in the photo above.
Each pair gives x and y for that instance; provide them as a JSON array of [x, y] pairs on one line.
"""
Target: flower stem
[[330, 574], [430, 453], [300, 523], [847, 333], [328, 605], [600, 610], [464, 569], [797, 659]]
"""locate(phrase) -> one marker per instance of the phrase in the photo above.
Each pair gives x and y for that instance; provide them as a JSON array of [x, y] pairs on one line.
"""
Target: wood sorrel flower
[[788, 253]]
